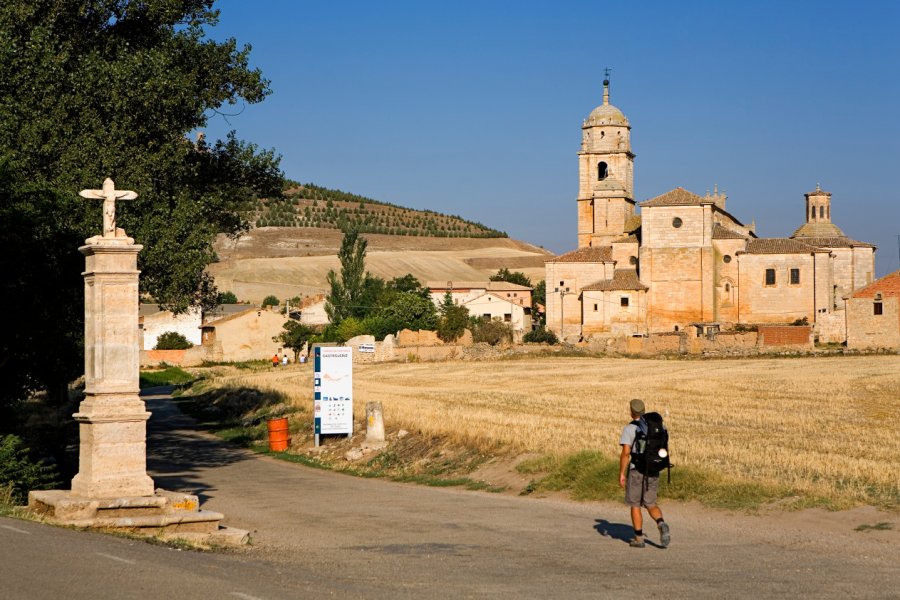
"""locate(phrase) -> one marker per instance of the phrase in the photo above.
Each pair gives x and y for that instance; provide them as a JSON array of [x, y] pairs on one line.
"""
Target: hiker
[[641, 487], [275, 360], [284, 361]]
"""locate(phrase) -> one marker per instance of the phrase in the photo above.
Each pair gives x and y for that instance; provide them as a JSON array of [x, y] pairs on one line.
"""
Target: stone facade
[[873, 314], [244, 336], [696, 263]]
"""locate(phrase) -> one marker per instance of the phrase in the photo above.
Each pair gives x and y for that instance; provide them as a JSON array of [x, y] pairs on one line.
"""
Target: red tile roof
[[588, 254], [677, 197], [723, 233], [623, 279], [780, 246], [889, 285]]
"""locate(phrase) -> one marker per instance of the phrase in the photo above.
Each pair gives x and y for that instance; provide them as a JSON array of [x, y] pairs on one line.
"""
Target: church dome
[[606, 113]]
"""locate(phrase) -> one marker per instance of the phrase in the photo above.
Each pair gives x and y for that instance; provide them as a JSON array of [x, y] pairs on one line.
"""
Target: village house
[[873, 314], [246, 335], [153, 322], [685, 261], [312, 311], [464, 291], [493, 306]]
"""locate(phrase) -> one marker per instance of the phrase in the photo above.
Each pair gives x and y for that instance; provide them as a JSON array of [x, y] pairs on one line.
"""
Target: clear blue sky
[[475, 108]]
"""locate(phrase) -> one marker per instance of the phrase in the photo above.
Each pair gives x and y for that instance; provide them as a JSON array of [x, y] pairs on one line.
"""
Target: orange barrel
[[279, 438]]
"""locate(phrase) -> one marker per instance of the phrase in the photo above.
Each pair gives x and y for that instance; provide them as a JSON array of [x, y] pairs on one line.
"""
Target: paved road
[[326, 534]]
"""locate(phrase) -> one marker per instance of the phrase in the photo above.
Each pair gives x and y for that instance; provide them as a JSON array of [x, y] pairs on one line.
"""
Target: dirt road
[[378, 539]]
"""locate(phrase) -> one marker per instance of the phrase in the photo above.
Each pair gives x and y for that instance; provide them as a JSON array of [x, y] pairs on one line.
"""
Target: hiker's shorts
[[637, 483]]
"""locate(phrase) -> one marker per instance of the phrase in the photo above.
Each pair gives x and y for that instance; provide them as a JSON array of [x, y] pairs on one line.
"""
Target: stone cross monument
[[112, 419], [112, 489]]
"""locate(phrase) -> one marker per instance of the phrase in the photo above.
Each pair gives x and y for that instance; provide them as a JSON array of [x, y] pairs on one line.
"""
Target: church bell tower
[[605, 175]]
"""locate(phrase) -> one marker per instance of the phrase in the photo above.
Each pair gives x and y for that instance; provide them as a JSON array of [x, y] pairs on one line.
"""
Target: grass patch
[[590, 475], [167, 376], [883, 526]]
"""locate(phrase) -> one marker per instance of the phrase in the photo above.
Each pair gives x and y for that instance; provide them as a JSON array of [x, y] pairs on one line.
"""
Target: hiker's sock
[[638, 533], [659, 520]]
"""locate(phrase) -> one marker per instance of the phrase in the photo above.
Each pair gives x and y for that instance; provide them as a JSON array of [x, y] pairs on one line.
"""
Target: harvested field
[[822, 426], [292, 261]]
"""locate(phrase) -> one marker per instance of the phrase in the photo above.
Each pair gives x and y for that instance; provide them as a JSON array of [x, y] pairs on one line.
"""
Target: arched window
[[727, 287], [602, 171], [821, 212]]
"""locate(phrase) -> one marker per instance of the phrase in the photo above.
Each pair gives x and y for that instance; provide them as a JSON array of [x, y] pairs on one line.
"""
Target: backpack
[[650, 450]]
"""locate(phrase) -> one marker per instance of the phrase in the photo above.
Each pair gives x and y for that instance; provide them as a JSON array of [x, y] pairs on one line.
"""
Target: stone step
[[201, 520]]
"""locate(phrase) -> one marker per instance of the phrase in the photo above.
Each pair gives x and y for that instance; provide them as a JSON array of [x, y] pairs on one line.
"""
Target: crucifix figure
[[109, 194]]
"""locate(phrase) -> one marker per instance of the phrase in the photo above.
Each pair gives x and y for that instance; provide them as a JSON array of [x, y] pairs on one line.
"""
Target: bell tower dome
[[605, 174]]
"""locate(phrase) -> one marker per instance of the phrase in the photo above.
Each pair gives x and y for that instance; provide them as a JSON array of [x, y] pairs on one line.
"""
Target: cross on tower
[[109, 194]]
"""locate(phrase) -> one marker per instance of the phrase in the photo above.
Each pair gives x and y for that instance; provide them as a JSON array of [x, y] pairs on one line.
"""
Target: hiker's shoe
[[637, 542], [664, 537]]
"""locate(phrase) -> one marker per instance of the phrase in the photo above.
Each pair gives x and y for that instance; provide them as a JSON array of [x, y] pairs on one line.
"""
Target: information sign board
[[367, 348], [333, 390]]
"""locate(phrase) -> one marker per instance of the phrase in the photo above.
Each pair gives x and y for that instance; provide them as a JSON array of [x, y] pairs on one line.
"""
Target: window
[[878, 308], [595, 308], [632, 260], [795, 276], [676, 222], [507, 317], [727, 287], [726, 258], [770, 276], [821, 212], [624, 301], [562, 283], [602, 171], [486, 316]]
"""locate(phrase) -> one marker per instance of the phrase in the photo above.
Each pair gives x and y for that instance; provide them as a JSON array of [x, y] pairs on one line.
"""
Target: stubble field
[[822, 427]]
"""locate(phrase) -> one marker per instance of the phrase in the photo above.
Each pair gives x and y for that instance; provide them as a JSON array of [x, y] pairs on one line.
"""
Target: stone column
[[112, 418]]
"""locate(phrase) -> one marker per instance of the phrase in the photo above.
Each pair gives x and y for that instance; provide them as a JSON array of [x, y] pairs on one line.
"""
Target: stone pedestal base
[[163, 514], [112, 453]]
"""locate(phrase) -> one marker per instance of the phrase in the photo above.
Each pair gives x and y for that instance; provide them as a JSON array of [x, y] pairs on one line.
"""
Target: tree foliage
[[453, 322], [172, 340], [226, 298], [295, 336], [508, 276], [540, 336], [91, 89], [270, 300], [346, 289]]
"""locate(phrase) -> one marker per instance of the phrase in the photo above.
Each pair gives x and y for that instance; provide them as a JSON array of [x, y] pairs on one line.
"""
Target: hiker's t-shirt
[[627, 439]]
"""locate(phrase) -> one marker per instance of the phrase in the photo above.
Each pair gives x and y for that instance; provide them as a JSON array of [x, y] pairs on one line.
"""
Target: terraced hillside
[[291, 261], [309, 205]]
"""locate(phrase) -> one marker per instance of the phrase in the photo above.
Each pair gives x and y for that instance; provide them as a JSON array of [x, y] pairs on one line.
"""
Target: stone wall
[[865, 329], [782, 302], [832, 328]]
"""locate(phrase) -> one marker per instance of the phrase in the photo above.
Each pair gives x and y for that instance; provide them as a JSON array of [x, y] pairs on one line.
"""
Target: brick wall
[[785, 335]]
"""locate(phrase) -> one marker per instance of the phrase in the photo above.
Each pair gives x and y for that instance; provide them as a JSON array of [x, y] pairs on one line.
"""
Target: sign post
[[333, 391]]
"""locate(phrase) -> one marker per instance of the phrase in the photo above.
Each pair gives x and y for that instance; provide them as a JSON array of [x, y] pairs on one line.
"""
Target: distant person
[[641, 482], [284, 360], [275, 360]]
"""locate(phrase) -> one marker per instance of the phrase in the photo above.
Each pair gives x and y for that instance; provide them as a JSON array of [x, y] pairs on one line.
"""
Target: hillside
[[310, 205], [291, 261]]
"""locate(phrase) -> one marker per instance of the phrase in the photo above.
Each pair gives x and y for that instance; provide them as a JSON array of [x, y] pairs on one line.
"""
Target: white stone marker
[[112, 417]]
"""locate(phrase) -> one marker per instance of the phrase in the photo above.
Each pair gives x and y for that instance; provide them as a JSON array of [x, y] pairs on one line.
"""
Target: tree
[[516, 277], [408, 283], [112, 88], [347, 288], [172, 340], [453, 322], [270, 300], [295, 336], [226, 298], [539, 296], [408, 310]]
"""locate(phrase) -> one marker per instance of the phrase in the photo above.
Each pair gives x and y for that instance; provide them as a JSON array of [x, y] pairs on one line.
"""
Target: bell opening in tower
[[602, 171]]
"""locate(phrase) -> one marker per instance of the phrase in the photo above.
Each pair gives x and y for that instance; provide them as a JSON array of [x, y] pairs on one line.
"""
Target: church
[[684, 261]]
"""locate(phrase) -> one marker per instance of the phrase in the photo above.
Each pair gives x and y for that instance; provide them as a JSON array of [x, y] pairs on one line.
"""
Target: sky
[[475, 108]]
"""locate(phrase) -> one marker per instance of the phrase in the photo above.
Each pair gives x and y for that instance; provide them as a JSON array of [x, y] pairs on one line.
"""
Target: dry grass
[[825, 427]]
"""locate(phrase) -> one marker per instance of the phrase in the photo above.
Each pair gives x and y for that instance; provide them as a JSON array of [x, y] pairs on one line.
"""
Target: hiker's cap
[[637, 406]]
